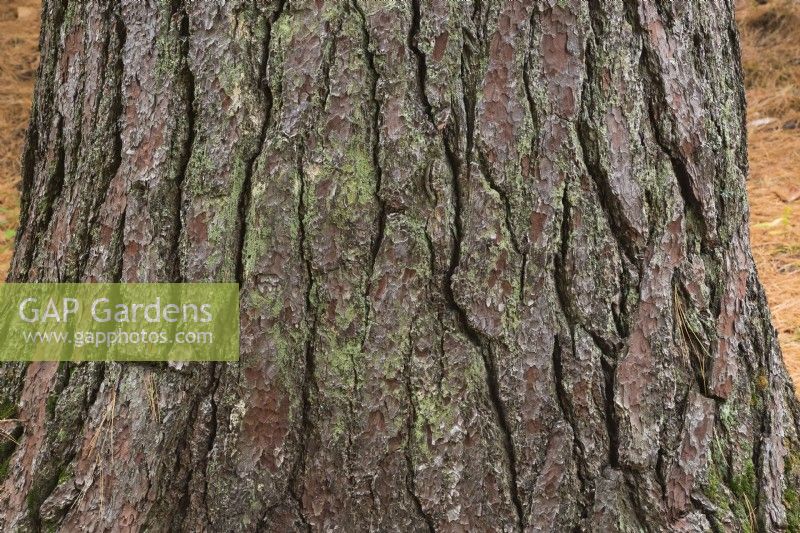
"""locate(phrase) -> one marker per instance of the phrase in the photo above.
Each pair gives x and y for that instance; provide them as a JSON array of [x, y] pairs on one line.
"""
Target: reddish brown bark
[[494, 262]]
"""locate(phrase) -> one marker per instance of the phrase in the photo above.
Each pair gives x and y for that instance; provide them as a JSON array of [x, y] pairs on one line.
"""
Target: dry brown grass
[[771, 57], [19, 38]]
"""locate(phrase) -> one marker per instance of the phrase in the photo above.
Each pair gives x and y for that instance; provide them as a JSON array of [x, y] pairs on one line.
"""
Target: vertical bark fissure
[[692, 206], [434, 281], [421, 76], [523, 277], [609, 202], [534, 114], [55, 186], [216, 370], [562, 396], [467, 99], [78, 240], [482, 343], [118, 239], [45, 90], [765, 415], [698, 354], [609, 355], [118, 248], [57, 455], [565, 406], [736, 49], [612, 424], [503, 195], [411, 421], [77, 108], [422, 62], [639, 511], [294, 484], [709, 514], [184, 449], [527, 84], [103, 72], [375, 138], [625, 236], [118, 29], [188, 81], [493, 384], [246, 191], [99, 370], [650, 71]]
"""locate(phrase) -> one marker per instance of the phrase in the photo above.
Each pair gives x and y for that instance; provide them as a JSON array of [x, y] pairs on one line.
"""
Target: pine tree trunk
[[494, 262]]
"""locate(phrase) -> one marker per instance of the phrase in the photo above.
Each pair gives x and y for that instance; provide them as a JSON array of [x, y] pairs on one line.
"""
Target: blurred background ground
[[771, 56], [19, 39]]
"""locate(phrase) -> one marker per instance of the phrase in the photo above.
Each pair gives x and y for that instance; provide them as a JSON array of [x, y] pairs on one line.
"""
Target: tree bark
[[494, 264]]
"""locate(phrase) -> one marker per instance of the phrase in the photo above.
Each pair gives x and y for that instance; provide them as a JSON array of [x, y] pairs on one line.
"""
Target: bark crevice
[[411, 421], [470, 213], [375, 154], [246, 192], [188, 81], [563, 398], [40, 120], [478, 340], [294, 483]]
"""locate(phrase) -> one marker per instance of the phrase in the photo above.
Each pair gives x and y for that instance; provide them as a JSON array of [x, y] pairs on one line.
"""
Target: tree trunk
[[494, 264]]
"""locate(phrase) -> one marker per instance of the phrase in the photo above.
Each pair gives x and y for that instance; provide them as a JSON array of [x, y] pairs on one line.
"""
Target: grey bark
[[494, 262]]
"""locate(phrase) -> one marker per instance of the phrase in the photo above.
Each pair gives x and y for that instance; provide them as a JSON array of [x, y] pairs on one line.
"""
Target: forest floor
[[19, 43], [771, 41], [770, 45]]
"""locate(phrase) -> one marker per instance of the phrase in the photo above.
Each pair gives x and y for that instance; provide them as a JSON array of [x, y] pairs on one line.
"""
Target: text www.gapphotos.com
[[111, 338]]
